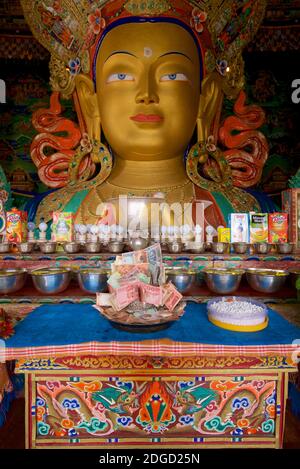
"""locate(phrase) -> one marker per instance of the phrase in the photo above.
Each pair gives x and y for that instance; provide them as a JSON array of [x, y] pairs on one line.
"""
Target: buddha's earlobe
[[210, 104], [88, 105]]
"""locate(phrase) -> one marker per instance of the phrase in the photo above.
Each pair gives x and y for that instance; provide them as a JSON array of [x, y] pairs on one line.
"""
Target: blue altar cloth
[[64, 324]]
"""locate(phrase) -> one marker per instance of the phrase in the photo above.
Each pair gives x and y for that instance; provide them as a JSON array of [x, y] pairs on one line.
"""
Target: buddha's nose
[[146, 94]]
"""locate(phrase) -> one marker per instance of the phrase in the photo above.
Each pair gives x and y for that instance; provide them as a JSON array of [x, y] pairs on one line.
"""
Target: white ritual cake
[[237, 313]]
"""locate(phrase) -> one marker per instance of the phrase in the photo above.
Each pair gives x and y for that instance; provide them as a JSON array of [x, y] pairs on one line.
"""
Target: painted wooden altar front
[[157, 394]]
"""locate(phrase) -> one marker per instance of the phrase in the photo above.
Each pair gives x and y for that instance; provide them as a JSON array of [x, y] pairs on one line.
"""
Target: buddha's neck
[[148, 174]]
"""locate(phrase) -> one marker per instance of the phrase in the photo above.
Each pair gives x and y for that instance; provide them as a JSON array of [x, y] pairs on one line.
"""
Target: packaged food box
[[239, 227], [63, 226], [291, 205], [278, 227], [16, 226], [258, 227], [223, 235]]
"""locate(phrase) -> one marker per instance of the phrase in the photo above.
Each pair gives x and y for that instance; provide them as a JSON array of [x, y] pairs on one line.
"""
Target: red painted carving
[[53, 167], [247, 147]]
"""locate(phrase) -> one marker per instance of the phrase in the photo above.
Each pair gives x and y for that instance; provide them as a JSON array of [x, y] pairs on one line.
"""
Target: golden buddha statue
[[148, 80]]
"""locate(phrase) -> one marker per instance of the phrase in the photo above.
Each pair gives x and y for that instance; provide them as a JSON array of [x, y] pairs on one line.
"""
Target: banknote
[[103, 299], [171, 296], [125, 294], [151, 294]]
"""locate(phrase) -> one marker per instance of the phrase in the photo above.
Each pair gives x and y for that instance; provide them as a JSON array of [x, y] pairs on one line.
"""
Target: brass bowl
[[72, 247], [223, 281], [266, 280], [92, 247], [285, 248], [196, 247], [4, 247], [93, 280], [262, 248], [175, 247], [219, 247], [48, 247], [240, 248], [138, 243], [51, 281], [115, 247], [181, 278], [12, 280], [26, 248]]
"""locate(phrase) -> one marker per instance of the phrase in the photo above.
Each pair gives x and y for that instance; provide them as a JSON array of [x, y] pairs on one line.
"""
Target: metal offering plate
[[141, 317]]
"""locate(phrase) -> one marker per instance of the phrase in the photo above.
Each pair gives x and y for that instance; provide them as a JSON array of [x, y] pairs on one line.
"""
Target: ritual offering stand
[[91, 385]]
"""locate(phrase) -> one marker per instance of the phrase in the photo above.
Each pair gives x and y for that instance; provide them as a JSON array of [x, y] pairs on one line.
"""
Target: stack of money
[[138, 276]]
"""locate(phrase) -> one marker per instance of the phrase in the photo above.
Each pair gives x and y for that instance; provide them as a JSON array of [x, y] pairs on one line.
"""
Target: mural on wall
[[26, 92], [269, 86]]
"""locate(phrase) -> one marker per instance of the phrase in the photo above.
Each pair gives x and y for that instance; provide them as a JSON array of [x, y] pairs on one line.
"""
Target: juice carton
[[258, 227], [62, 226], [16, 229], [239, 227], [278, 227], [223, 235]]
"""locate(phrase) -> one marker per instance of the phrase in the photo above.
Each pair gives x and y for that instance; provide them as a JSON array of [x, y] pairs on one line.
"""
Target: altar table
[[193, 385]]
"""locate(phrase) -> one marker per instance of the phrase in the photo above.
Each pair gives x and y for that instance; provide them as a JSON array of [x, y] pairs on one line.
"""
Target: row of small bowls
[[175, 247], [226, 281], [52, 281]]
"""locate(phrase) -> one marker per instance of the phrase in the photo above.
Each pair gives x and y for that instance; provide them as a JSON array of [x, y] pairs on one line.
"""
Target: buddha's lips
[[146, 118]]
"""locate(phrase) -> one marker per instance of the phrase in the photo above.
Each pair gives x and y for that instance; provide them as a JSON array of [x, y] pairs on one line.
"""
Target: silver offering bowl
[[26, 248], [115, 247], [48, 247], [72, 247], [240, 247], [285, 248], [92, 247], [4, 247], [182, 279], [219, 247], [138, 243], [262, 248], [196, 247], [12, 280], [175, 247], [93, 280], [266, 280], [223, 281], [51, 281]]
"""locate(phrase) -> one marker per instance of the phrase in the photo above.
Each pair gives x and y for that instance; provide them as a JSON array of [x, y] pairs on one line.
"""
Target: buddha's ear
[[89, 105], [209, 106]]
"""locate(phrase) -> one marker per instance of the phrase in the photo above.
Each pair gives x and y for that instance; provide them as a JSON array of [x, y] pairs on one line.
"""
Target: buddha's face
[[148, 90]]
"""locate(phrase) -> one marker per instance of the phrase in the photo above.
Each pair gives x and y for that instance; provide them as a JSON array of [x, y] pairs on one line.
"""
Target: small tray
[[128, 321]]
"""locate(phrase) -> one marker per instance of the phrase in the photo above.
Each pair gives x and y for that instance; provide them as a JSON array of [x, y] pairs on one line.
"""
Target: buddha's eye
[[119, 77], [174, 77]]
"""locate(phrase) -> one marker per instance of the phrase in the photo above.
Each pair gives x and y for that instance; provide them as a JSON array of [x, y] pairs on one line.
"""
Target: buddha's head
[[145, 73], [147, 91]]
